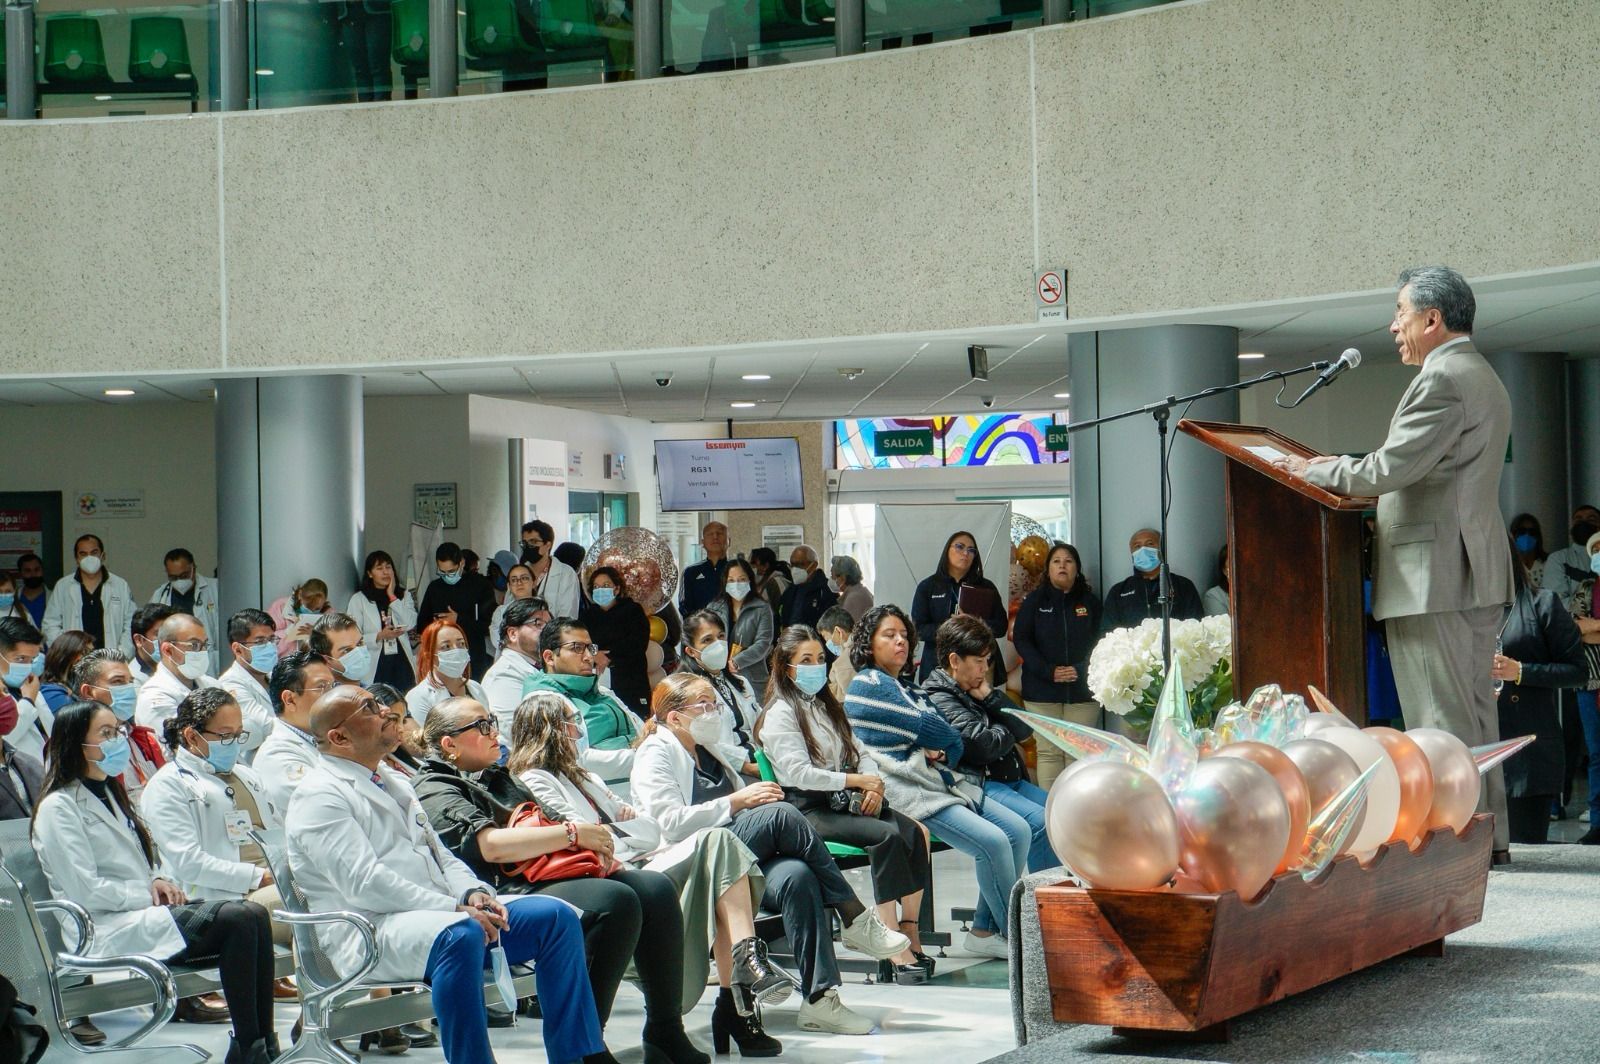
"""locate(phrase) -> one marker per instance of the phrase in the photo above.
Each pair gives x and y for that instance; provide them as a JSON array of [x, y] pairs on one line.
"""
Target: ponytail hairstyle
[[781, 687], [672, 695], [195, 711], [67, 765]]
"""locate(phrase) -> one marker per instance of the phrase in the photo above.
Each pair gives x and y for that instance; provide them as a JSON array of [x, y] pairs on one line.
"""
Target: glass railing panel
[[131, 59], [339, 51], [510, 45], [901, 23], [705, 36]]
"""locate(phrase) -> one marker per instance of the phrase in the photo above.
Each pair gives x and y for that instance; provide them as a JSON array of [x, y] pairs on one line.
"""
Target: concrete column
[[1583, 411], [291, 493], [849, 27], [647, 39], [443, 60], [1535, 478], [1115, 472], [1057, 11], [21, 74], [231, 88]]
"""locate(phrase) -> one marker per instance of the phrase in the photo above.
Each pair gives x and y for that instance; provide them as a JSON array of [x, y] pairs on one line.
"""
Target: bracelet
[[572, 835], [1519, 673]]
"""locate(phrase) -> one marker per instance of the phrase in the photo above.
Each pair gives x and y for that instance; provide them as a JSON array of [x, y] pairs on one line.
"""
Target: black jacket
[[1055, 628], [1136, 599], [702, 585], [623, 632], [472, 597], [14, 805], [933, 604], [459, 807], [989, 732], [805, 603], [1542, 635]]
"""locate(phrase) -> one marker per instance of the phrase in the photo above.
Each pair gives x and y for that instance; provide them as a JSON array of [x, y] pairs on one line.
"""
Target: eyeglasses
[[698, 708], [589, 649], [226, 740], [484, 726], [318, 689], [372, 708], [194, 645], [963, 548]]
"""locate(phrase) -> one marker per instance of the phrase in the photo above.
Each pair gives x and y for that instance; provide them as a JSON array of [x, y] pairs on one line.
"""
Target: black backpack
[[21, 1038]]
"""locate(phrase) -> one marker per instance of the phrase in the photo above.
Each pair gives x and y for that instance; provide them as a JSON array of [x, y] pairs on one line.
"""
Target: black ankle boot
[[666, 1042], [727, 1021], [768, 984]]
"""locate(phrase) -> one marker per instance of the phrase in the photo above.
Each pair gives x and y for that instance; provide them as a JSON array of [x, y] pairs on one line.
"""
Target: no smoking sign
[[1050, 292]]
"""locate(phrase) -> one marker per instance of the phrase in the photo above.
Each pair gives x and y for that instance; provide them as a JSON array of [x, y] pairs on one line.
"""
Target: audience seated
[[835, 627], [59, 658], [519, 660], [706, 653], [610, 728], [104, 676], [21, 775], [22, 658], [253, 652], [844, 580], [290, 752], [444, 671], [147, 620], [184, 656]]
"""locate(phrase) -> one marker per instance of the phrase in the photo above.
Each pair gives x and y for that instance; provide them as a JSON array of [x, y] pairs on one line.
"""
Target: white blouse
[[786, 749]]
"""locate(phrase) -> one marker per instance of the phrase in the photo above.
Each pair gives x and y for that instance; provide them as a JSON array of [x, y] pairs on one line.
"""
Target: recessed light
[[741, 406], [1253, 354], [102, 98], [756, 377], [264, 72], [119, 393]]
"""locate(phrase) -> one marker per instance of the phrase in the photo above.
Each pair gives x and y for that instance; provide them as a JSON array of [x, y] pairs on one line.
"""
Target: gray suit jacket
[[1441, 542]]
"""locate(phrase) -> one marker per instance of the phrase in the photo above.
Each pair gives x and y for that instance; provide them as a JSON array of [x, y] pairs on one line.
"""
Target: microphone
[[1350, 359]]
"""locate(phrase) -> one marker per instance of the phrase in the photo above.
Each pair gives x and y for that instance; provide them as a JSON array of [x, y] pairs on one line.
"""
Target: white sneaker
[[828, 1013], [1583, 817], [867, 934], [990, 946]]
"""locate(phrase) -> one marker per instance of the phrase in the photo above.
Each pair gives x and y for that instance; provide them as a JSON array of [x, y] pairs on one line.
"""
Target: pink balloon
[[1383, 789], [1455, 778], [1112, 825], [1234, 825], [1327, 769]]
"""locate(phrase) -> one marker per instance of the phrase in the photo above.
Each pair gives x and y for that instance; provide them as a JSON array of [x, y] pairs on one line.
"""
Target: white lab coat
[[25, 736], [93, 858], [159, 697], [371, 850], [402, 614], [502, 685], [560, 589], [430, 693], [185, 806], [255, 706], [64, 611], [287, 757], [206, 610], [663, 788]]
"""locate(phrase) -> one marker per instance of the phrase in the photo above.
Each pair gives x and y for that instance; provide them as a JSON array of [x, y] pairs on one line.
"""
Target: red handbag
[[552, 867]]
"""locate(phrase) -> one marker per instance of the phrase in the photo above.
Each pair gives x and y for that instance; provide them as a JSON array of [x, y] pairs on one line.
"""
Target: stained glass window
[[965, 440]]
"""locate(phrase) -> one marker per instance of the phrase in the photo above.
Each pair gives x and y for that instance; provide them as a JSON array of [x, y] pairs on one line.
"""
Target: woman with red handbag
[[492, 823]]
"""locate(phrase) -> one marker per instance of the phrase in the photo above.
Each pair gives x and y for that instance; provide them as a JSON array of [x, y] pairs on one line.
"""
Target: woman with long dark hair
[[748, 619], [97, 852], [55, 686], [1057, 626], [621, 629], [385, 616], [834, 781], [1527, 541], [960, 569], [706, 653]]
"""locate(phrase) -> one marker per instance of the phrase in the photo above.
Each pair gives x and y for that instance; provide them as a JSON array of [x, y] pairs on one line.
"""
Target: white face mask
[[183, 587], [90, 564], [195, 663], [706, 729], [453, 663], [715, 656], [738, 590]]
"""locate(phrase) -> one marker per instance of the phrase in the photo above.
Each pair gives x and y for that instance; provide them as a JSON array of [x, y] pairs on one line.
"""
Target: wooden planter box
[[1174, 965]]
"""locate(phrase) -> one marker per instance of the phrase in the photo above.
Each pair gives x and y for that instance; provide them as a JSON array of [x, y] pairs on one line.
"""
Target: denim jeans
[[1589, 715], [1027, 801], [998, 842]]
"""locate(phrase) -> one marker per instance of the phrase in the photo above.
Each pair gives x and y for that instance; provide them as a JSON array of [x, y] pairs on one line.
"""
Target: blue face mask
[[835, 649], [355, 663], [1147, 559], [603, 596], [264, 657], [115, 755], [582, 742], [123, 699], [221, 757], [1526, 542], [7, 600], [1594, 564], [450, 578], [17, 673], [810, 678]]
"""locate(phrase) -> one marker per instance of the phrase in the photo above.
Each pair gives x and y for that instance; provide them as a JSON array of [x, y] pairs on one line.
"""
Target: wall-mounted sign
[[544, 482], [1050, 294], [616, 466], [110, 504], [575, 463], [783, 538], [1057, 438], [433, 503], [906, 443]]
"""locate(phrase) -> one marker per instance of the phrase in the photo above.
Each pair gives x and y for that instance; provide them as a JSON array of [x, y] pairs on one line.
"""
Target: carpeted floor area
[[1522, 986]]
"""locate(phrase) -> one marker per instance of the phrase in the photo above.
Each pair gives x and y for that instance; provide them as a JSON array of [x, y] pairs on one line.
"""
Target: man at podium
[[1442, 567]]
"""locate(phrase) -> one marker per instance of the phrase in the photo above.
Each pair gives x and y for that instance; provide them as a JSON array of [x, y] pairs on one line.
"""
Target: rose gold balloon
[[1416, 781], [1234, 824], [1296, 793], [1455, 778], [1327, 771], [1112, 825]]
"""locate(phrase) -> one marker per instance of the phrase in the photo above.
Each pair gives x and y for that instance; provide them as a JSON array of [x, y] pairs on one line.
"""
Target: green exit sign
[[1057, 438], [906, 443]]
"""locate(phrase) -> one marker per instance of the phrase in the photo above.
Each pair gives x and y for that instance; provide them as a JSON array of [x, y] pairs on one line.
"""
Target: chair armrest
[[80, 916], [166, 994], [364, 930]]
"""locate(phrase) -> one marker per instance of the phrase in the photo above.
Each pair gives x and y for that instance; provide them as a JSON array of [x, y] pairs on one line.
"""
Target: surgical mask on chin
[[450, 578], [603, 596], [738, 590], [264, 657], [453, 663], [183, 587], [115, 754], [810, 678], [124, 697], [221, 757], [89, 564], [715, 656], [706, 729], [195, 664], [355, 663], [1526, 542], [1147, 559]]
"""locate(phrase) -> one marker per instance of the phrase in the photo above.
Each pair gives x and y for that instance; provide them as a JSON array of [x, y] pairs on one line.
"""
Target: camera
[[663, 378], [846, 802], [987, 401]]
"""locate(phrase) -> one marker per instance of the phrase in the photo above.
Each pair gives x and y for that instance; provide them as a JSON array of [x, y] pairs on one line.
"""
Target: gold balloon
[[1233, 823], [1416, 781], [658, 629], [1455, 778], [1327, 771], [1296, 794], [1031, 554], [1112, 825]]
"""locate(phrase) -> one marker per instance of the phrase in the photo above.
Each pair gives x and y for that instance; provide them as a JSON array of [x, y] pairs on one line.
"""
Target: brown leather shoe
[[199, 1010], [84, 1030], [284, 990]]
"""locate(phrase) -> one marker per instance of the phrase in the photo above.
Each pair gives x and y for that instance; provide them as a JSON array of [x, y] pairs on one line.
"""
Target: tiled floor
[[962, 1017]]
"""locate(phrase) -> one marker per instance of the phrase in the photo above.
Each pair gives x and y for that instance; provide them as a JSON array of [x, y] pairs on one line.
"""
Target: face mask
[[811, 678], [309, 615], [183, 587], [7, 601], [8, 713], [499, 583], [738, 590], [195, 664], [33, 583], [1582, 531], [114, 755], [221, 757], [355, 663], [17, 673], [1594, 564], [1526, 542], [1146, 559], [603, 596], [90, 565], [582, 743], [706, 730], [263, 657], [123, 699], [453, 663], [450, 578], [833, 585], [835, 649], [715, 656]]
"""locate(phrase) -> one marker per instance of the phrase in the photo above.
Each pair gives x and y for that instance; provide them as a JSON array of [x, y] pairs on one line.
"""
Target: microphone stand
[[1161, 411]]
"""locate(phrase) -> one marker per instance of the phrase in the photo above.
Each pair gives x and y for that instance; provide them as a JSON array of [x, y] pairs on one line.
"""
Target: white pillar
[[1535, 479]]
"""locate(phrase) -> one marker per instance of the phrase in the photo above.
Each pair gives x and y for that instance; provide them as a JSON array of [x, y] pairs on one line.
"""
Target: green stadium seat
[[74, 52], [408, 40], [158, 49], [494, 35]]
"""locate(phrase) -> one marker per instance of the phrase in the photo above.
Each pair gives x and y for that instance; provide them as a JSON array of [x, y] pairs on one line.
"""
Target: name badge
[[940, 595], [1081, 611], [239, 826]]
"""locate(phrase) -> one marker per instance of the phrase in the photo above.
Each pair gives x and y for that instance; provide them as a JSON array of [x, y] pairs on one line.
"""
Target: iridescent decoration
[[1333, 824], [649, 575], [1325, 705], [1173, 753], [1083, 743], [1231, 725], [1491, 754], [1206, 742], [1294, 716], [1267, 716]]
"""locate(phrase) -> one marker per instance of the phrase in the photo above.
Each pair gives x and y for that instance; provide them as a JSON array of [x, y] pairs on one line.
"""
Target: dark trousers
[[615, 910], [803, 883], [1530, 817], [239, 936], [894, 844], [364, 36]]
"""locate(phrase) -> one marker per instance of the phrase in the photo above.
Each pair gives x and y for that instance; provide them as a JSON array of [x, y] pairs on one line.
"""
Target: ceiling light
[[741, 405], [264, 72], [119, 393], [756, 377], [1063, 395], [1253, 354]]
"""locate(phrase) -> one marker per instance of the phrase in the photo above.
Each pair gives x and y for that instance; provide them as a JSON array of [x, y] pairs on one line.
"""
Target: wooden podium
[[1295, 571]]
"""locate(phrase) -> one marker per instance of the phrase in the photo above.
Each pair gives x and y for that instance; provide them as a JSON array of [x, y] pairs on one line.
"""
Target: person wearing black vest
[[939, 596], [1138, 598], [1057, 626]]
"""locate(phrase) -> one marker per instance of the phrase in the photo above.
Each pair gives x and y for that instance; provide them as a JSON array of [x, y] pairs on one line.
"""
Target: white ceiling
[[918, 375]]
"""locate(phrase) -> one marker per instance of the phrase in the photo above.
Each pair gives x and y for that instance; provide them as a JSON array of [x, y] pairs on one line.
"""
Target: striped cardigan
[[898, 725]]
